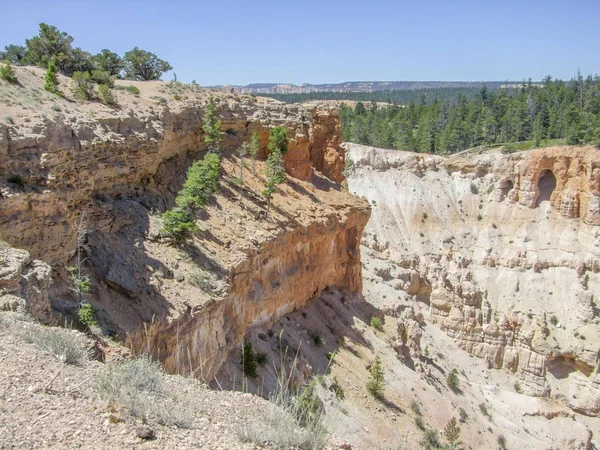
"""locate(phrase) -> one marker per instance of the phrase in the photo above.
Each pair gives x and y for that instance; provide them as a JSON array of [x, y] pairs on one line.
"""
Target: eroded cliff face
[[69, 160], [118, 169], [501, 251]]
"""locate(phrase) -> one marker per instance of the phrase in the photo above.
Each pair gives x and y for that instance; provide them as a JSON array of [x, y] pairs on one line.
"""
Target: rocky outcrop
[[24, 283], [66, 167], [503, 249], [284, 274], [114, 171]]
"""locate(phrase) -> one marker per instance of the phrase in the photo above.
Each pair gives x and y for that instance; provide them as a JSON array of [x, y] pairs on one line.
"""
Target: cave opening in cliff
[[505, 188], [546, 185]]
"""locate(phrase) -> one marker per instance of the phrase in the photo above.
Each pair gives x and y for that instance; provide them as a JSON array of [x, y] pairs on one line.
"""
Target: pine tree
[[452, 434], [376, 382], [253, 149], [278, 140], [51, 81], [275, 173], [212, 128]]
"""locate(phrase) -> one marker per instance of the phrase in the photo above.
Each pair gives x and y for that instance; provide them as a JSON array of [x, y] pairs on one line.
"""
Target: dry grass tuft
[[68, 346], [138, 386]]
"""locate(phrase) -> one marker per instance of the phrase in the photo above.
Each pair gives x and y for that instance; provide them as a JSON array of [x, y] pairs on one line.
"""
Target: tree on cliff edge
[[212, 128], [142, 65], [274, 169]]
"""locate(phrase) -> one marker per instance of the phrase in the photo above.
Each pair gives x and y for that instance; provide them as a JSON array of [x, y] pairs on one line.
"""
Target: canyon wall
[[502, 252], [104, 175]]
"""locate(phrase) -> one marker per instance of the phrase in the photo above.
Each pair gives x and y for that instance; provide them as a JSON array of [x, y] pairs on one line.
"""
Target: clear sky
[[240, 42]]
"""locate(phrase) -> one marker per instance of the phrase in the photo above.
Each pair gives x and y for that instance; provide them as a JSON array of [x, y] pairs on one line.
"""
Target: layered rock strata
[[503, 249]]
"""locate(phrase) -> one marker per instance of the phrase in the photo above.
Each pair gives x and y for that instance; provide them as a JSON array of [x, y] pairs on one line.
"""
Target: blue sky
[[240, 42]]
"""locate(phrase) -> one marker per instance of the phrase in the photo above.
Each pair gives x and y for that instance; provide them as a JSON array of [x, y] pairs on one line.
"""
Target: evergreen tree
[[452, 434], [142, 65], [51, 81], [212, 128], [376, 379], [278, 140], [201, 183], [275, 174]]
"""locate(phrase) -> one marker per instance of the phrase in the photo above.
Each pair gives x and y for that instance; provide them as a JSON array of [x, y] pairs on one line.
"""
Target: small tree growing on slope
[[275, 173], [212, 128], [51, 81], [376, 382], [452, 435], [7, 73]]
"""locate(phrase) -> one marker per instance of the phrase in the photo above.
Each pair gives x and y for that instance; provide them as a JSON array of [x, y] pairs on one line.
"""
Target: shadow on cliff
[[306, 341]]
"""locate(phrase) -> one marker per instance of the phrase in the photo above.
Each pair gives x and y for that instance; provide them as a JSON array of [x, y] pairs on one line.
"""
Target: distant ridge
[[359, 86]]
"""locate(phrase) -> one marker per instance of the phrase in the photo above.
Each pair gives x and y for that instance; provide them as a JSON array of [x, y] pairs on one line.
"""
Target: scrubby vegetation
[[7, 73], [138, 386], [376, 323], [292, 420], [66, 345], [453, 382]]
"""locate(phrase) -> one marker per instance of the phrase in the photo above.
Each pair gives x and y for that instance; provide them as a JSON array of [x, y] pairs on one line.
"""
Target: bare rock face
[[24, 283], [70, 167], [503, 249]]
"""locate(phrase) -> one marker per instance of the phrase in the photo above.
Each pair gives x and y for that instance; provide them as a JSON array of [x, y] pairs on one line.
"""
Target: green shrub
[[420, 424], [105, 95], [102, 77], [425, 215], [517, 387], [376, 323], [82, 86], [131, 89], [453, 382], [81, 283], [7, 73], [376, 380], [178, 223], [249, 363], [474, 189], [87, 315], [316, 338]]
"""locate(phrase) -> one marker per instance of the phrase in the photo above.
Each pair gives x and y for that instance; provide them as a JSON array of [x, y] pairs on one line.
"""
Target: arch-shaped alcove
[[505, 187], [546, 185]]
